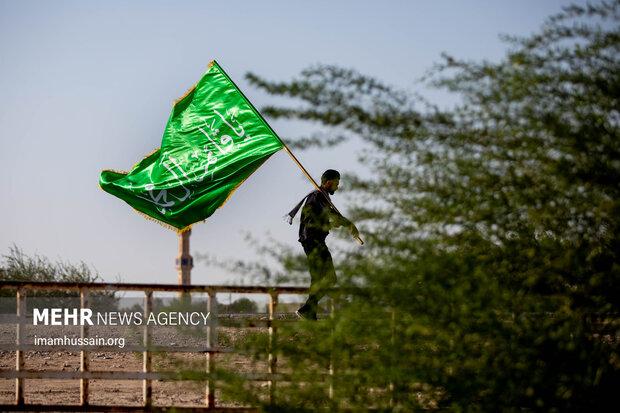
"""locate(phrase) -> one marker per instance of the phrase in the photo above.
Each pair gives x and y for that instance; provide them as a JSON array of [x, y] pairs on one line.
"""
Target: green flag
[[214, 140]]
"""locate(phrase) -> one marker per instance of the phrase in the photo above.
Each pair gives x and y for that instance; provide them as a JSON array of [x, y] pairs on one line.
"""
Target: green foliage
[[241, 305], [18, 266], [490, 276]]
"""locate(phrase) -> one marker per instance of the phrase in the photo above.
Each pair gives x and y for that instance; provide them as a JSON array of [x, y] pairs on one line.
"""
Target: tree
[[241, 305], [19, 266], [490, 276]]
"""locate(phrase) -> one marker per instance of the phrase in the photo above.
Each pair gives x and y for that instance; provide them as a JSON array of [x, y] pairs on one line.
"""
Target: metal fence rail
[[146, 375]]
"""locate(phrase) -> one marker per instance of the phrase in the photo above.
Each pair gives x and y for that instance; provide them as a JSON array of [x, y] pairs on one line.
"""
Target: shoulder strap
[[289, 217]]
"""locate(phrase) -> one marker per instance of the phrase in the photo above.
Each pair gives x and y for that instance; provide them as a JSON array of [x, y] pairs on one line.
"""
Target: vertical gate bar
[[147, 391], [19, 340], [211, 339], [331, 352], [273, 358], [84, 357], [392, 352]]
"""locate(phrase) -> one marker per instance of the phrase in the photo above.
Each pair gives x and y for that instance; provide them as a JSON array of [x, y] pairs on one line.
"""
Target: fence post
[[19, 340], [84, 357], [211, 339], [147, 390], [273, 358], [331, 351], [391, 386]]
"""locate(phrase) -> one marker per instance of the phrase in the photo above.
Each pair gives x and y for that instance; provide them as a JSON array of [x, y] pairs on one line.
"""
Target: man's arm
[[338, 220]]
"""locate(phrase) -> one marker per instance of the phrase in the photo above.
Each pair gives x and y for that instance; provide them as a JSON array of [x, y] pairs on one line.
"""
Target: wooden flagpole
[[311, 179]]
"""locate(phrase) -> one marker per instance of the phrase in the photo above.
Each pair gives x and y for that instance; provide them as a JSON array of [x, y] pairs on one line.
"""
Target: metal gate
[[147, 375]]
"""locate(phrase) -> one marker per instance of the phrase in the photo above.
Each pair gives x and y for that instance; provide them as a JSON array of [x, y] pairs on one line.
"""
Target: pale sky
[[89, 85]]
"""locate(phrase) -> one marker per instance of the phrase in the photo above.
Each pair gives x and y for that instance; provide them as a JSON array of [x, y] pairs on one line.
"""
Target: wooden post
[[147, 390], [330, 390], [211, 344], [273, 358], [19, 338], [84, 357]]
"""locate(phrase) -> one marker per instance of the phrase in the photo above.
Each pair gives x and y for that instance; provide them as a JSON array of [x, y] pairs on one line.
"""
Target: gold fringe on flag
[[191, 89]]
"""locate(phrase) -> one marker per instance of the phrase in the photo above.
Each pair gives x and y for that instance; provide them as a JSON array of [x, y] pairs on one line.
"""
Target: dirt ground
[[123, 392]]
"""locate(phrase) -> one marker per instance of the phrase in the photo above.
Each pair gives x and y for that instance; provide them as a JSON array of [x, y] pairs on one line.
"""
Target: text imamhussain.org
[[79, 341], [85, 316]]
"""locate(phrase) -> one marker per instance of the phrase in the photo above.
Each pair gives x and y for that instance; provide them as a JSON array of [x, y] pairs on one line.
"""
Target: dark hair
[[329, 175]]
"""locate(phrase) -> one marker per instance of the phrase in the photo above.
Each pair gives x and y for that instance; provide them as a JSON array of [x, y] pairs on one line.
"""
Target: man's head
[[330, 180]]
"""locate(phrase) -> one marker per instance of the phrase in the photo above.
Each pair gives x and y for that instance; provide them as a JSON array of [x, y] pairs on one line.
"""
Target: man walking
[[317, 218]]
